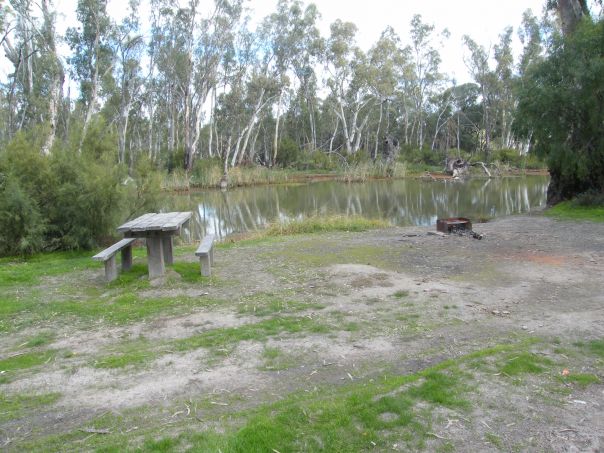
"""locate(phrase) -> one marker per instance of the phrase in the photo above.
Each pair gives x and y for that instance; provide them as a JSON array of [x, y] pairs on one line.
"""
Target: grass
[[18, 405], [26, 360], [325, 224], [567, 210], [525, 362], [31, 270], [400, 294], [227, 337], [366, 414], [580, 379], [275, 359], [265, 304], [22, 361], [40, 339]]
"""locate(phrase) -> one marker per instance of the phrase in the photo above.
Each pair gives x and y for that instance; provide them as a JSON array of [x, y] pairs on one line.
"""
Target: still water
[[401, 202]]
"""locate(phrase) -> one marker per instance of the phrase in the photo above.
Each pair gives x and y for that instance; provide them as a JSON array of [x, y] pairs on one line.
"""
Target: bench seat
[[108, 257], [205, 252]]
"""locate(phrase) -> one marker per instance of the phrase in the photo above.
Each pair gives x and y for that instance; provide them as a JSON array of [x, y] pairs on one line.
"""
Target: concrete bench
[[205, 252], [108, 256]]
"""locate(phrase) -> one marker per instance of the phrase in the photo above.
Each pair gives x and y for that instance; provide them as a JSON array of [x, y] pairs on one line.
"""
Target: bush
[[288, 153], [207, 172], [21, 224], [68, 200], [424, 156]]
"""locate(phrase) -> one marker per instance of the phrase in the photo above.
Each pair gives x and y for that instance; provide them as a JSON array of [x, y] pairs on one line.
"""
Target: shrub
[[21, 224], [288, 152]]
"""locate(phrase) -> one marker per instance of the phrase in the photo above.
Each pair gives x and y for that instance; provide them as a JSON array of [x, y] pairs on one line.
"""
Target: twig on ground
[[437, 436], [95, 431]]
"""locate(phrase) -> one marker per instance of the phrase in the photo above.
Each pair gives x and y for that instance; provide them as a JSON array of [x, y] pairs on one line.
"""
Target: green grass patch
[[30, 270], [26, 360], [400, 294], [525, 362], [226, 338], [494, 439], [123, 360], [40, 339], [18, 405], [596, 347], [276, 359], [567, 210], [265, 304], [580, 379], [325, 224]]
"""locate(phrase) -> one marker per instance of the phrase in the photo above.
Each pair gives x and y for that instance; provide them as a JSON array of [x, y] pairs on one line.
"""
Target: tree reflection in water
[[401, 202]]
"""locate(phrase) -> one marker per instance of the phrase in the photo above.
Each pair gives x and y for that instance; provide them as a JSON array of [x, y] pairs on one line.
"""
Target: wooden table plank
[[168, 221]]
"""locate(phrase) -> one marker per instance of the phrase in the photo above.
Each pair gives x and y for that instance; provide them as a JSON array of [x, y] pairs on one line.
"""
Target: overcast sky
[[483, 20]]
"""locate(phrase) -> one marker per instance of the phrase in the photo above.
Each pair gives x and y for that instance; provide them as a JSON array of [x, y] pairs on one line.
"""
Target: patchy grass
[[400, 294], [525, 362], [567, 210], [265, 304], [40, 339], [122, 360], [367, 414], [16, 406], [580, 379], [275, 359], [22, 361], [325, 224], [226, 338]]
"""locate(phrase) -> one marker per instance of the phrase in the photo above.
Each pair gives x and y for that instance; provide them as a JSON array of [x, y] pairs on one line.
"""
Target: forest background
[[204, 98]]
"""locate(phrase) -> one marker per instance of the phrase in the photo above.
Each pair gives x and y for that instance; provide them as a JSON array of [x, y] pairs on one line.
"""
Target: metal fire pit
[[453, 224]]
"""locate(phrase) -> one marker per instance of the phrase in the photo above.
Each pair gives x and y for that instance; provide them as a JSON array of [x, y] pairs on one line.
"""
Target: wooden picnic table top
[[155, 222]]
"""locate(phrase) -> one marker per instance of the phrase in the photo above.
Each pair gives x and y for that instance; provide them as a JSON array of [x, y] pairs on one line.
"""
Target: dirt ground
[[394, 301]]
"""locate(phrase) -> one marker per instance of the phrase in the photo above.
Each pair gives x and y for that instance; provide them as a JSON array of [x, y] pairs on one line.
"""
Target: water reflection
[[402, 202]]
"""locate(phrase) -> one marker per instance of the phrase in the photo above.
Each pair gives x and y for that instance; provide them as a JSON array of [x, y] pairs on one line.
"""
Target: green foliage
[[21, 224], [207, 172], [288, 152], [424, 156], [317, 160], [68, 200], [560, 109]]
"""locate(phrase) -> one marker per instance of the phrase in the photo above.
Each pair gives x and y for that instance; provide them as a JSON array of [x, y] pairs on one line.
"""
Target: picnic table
[[158, 230]]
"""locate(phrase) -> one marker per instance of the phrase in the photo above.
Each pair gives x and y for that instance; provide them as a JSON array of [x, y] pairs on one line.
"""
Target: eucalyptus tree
[[387, 63], [35, 86], [486, 79], [129, 50], [505, 99], [93, 57], [348, 82], [530, 37], [292, 37], [425, 77]]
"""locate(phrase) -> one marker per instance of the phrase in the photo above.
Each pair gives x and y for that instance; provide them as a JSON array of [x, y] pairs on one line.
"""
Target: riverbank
[[388, 339], [210, 178]]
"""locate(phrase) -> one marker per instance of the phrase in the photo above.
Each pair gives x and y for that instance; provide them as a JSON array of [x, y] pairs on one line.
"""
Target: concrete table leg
[[167, 246], [126, 258], [155, 257], [110, 269]]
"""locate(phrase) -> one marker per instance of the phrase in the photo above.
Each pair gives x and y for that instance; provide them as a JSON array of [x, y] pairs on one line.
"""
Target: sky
[[483, 20]]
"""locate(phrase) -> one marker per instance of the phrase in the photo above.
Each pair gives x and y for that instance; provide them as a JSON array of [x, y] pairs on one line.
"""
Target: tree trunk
[[377, 133], [276, 138], [571, 12]]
